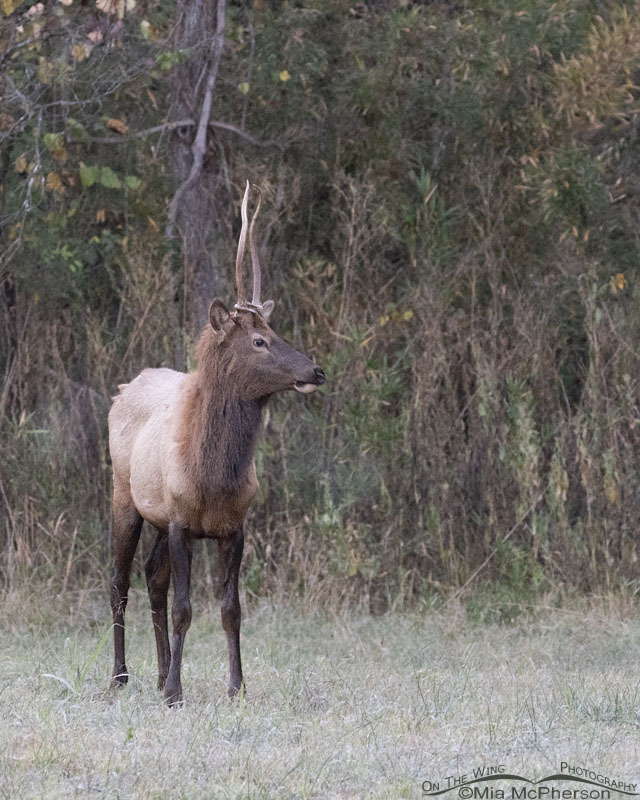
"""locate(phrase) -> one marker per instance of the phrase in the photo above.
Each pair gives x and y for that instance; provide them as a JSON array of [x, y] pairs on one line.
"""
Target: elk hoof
[[173, 696], [234, 691], [120, 677], [162, 680]]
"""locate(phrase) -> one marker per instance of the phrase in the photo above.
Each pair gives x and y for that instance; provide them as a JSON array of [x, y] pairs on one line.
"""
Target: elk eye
[[259, 343]]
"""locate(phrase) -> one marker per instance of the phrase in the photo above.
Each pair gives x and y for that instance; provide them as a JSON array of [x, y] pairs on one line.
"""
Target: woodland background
[[450, 226]]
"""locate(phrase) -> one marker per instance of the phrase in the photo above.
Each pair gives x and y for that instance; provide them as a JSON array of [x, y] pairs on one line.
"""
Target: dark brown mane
[[219, 425]]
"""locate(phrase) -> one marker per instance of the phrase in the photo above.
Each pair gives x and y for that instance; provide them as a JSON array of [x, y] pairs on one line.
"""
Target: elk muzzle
[[306, 387]]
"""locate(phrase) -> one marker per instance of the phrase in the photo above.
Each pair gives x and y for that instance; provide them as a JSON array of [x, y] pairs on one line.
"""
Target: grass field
[[348, 707]]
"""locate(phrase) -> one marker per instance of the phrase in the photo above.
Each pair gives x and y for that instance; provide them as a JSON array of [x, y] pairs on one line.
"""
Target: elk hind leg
[[157, 569], [127, 524], [180, 551]]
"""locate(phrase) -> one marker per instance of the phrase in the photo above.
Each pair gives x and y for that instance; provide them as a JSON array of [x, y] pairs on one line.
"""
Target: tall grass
[[455, 241]]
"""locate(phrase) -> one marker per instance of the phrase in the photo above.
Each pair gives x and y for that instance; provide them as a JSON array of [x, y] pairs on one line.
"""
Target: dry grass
[[350, 707]]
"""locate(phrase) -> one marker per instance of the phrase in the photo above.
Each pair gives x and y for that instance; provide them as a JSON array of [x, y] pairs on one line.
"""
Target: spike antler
[[241, 245], [255, 305], [255, 263]]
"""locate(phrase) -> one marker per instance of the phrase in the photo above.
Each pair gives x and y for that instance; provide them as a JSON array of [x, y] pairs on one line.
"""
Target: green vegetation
[[450, 227]]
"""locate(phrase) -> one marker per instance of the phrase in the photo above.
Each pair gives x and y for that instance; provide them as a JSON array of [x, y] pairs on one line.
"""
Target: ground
[[353, 706]]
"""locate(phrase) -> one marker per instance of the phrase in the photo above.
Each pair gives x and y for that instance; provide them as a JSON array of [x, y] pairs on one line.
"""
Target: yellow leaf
[[383, 320], [60, 155], [366, 341], [117, 125], [153, 223], [54, 183], [21, 164], [284, 75], [9, 6], [618, 283], [115, 6], [45, 71], [80, 52], [151, 97], [407, 315], [101, 215], [148, 31]]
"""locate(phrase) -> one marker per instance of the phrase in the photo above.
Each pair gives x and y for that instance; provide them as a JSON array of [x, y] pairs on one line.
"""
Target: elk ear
[[220, 318], [267, 308]]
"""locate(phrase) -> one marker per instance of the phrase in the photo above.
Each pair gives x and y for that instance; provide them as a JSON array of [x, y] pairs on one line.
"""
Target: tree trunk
[[198, 215]]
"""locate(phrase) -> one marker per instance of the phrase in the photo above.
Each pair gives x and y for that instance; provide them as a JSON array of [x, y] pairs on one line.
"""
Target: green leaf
[[165, 61], [109, 179], [244, 87], [133, 182], [89, 175], [53, 141], [77, 130]]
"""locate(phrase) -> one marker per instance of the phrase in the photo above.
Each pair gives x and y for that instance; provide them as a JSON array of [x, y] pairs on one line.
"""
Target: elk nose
[[320, 376]]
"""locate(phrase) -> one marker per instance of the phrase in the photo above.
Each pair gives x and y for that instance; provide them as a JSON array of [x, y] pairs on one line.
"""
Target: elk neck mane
[[219, 426]]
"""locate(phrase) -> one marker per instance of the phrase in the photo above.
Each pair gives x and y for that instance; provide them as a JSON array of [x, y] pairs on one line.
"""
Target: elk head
[[262, 362]]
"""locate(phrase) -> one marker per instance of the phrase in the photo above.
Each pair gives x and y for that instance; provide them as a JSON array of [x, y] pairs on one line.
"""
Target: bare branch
[[26, 104], [185, 123], [226, 126]]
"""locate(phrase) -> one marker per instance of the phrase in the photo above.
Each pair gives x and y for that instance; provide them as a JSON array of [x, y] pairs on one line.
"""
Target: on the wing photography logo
[[495, 783]]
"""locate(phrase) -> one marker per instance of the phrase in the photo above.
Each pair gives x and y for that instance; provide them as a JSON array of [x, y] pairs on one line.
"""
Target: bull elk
[[182, 449]]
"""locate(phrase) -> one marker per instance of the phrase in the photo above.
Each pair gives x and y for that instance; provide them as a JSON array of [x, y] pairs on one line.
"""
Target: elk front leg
[[230, 552], [180, 549], [157, 569], [127, 524]]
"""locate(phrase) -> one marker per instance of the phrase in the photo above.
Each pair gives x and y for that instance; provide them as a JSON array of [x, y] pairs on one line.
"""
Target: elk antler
[[241, 244], [255, 263], [255, 305]]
